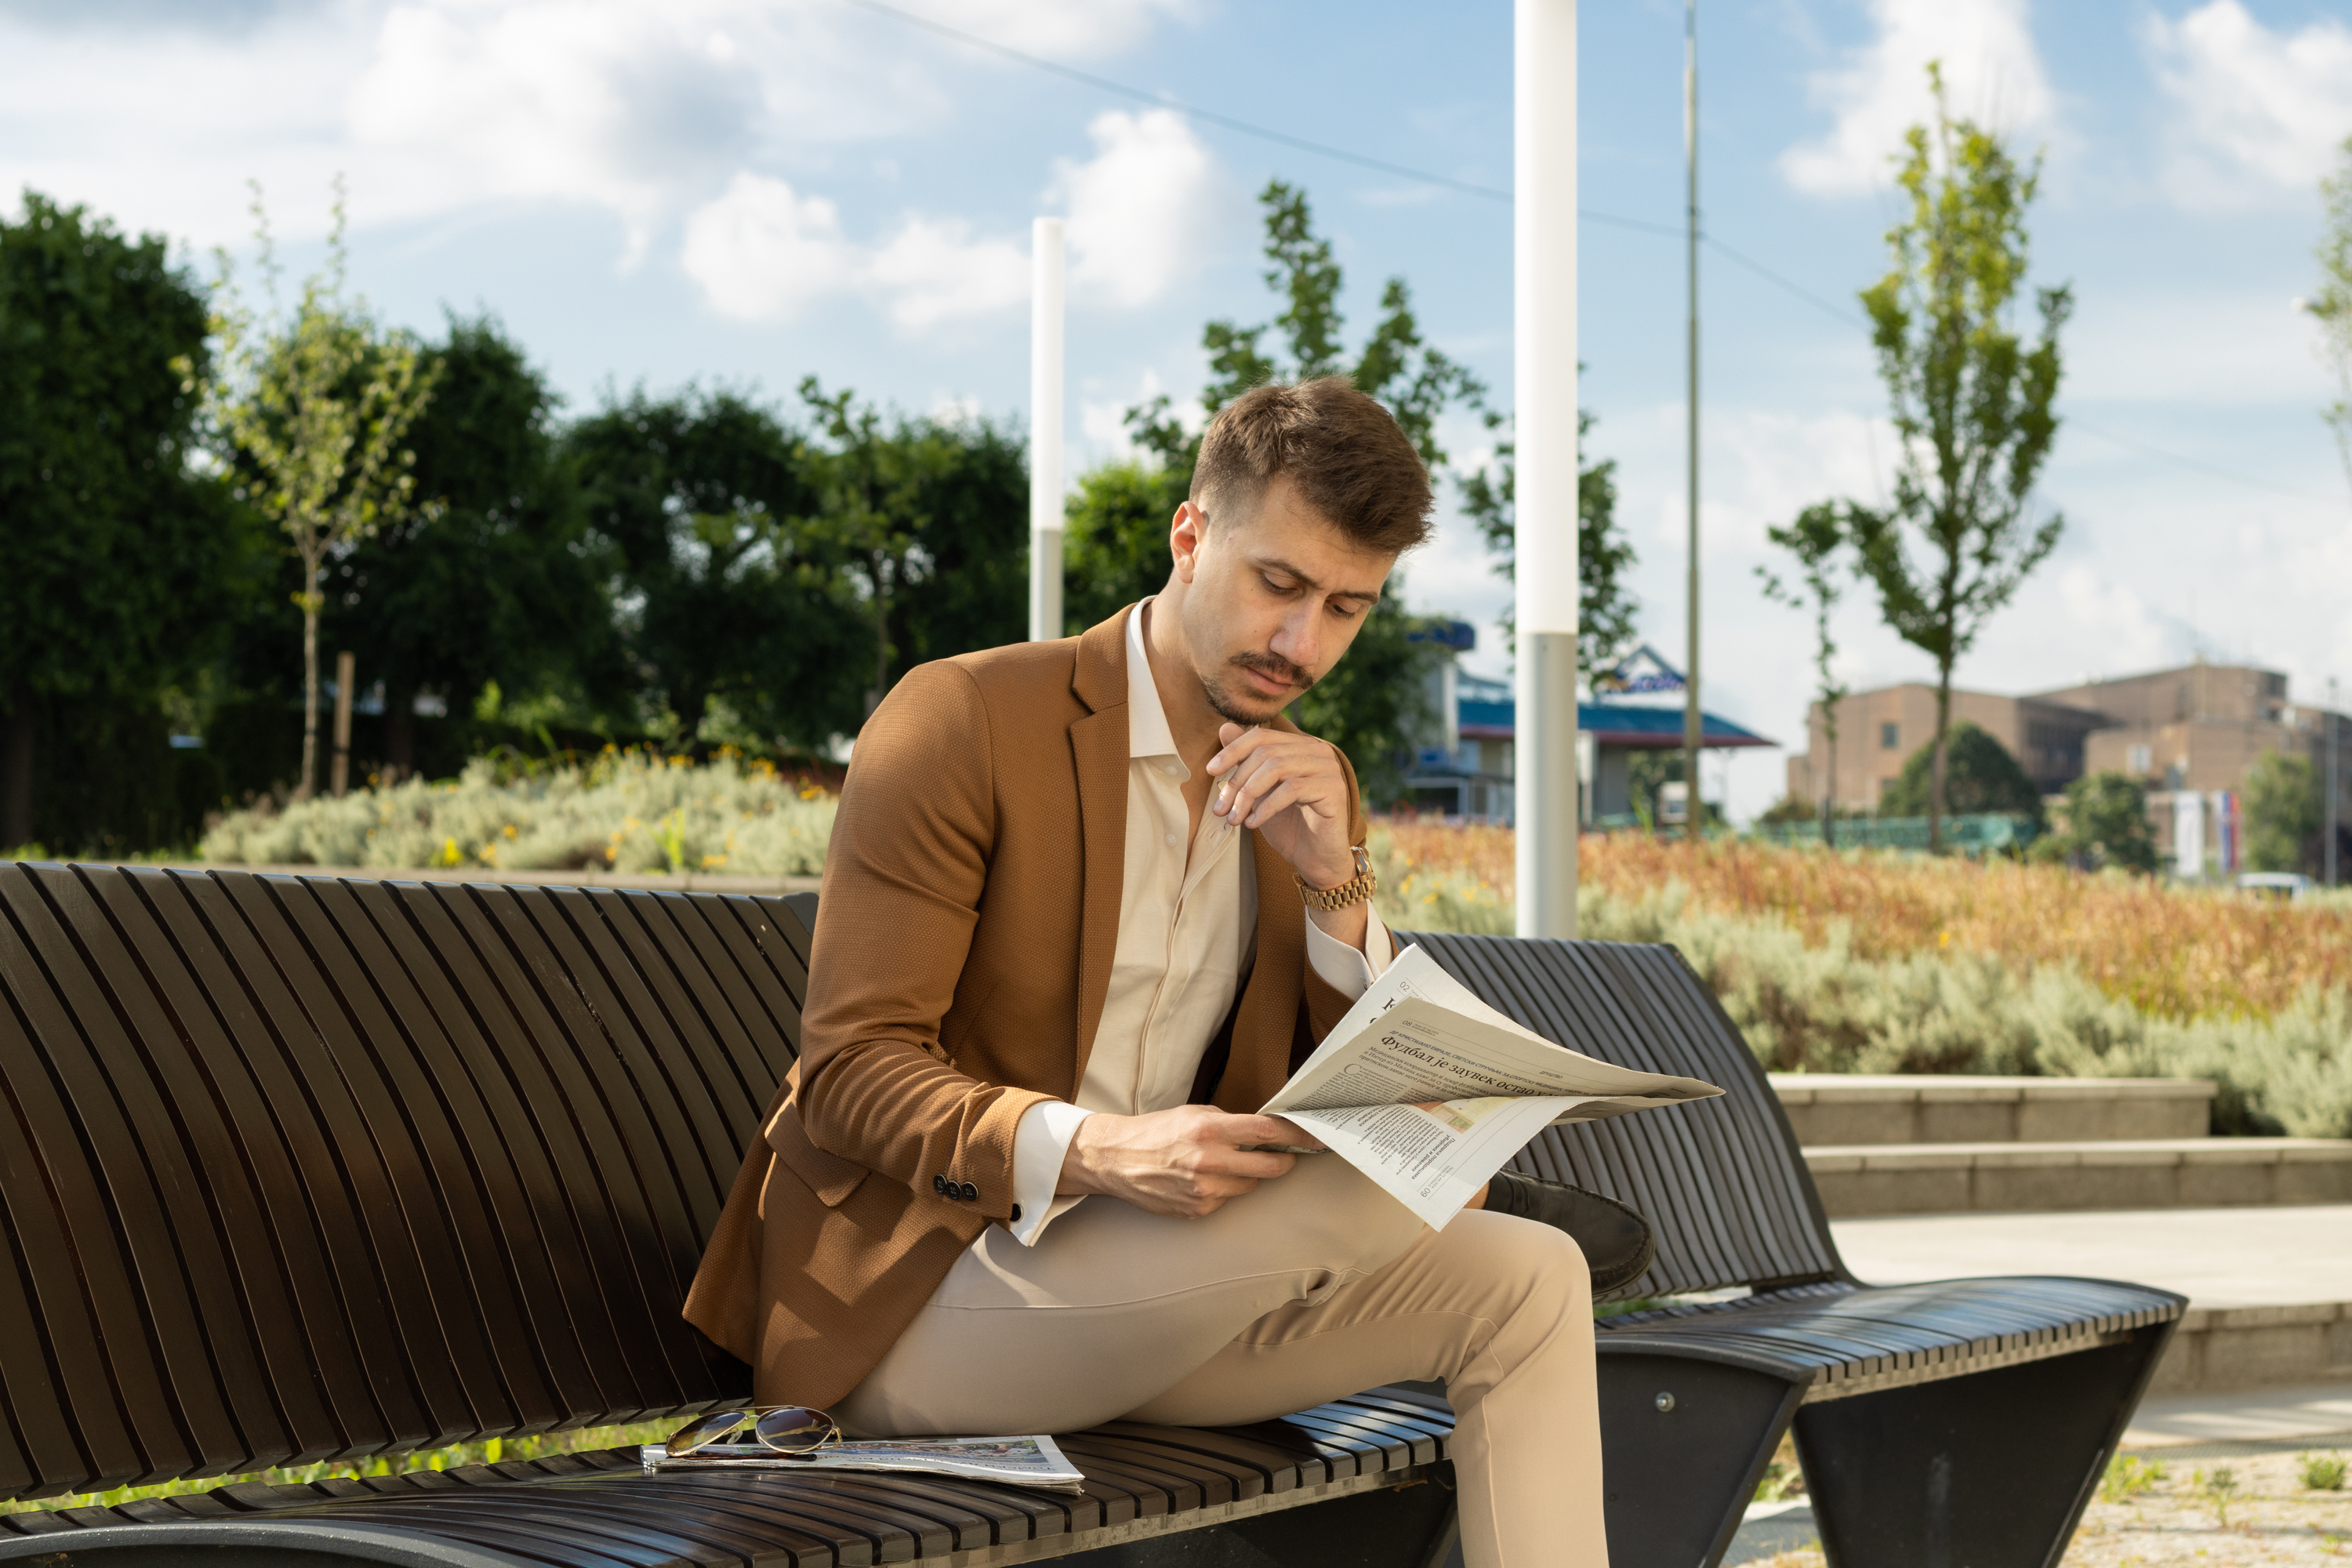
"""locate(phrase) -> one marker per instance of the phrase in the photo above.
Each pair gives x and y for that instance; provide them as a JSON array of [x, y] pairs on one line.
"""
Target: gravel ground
[[2273, 1520]]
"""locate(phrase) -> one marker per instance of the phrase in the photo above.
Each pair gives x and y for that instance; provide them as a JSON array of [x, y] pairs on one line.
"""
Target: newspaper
[[1030, 1461], [1430, 1091]]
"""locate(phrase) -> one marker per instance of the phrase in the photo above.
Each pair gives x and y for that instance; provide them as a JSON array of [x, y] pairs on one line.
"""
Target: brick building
[[2199, 728]]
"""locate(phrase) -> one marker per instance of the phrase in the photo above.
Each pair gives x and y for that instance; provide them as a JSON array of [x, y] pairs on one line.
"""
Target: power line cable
[[1162, 101], [1489, 192]]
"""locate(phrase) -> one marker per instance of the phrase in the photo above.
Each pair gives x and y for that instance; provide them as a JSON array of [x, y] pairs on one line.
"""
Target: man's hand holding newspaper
[[1429, 1091]]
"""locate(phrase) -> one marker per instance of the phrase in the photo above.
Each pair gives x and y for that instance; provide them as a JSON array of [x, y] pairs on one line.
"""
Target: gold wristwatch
[[1354, 890]]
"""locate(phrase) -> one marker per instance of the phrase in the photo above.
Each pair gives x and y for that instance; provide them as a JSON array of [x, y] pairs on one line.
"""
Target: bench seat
[[1837, 1340], [602, 1508]]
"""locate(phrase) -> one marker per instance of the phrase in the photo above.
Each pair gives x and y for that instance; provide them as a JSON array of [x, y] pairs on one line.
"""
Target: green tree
[[1979, 775], [1971, 403], [1115, 536], [316, 405], [722, 592], [499, 580], [2333, 304], [123, 560], [928, 519], [1606, 605], [2283, 811], [1815, 539], [2106, 825]]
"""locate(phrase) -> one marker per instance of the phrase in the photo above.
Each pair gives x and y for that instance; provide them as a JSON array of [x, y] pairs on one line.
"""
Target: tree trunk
[[1829, 797], [399, 735], [1936, 765], [16, 769], [310, 777]]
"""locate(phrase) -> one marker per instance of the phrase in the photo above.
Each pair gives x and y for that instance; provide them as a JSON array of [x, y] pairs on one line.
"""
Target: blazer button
[[971, 1192], [939, 1186]]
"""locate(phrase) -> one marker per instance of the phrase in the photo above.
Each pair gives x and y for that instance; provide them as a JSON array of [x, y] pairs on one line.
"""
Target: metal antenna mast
[[1692, 810]]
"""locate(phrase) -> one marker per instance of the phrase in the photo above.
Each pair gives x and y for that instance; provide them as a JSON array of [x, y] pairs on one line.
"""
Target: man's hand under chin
[[1292, 789], [1185, 1162]]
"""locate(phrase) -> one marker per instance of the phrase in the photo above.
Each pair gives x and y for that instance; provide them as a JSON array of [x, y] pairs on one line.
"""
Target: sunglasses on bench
[[786, 1428]]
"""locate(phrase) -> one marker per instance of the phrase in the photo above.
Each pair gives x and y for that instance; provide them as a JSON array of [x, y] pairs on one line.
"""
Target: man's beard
[[1230, 707]]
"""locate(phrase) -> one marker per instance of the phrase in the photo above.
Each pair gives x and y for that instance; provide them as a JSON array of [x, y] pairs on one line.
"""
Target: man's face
[[1272, 600]]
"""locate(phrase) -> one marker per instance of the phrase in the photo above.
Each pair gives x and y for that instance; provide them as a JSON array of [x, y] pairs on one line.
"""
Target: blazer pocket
[[829, 1176]]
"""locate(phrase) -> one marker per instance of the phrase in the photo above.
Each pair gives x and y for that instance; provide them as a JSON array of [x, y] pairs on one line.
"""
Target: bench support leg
[[1990, 1468], [1676, 1481]]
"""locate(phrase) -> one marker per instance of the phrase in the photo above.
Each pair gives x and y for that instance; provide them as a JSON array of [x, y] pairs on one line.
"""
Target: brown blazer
[[965, 930]]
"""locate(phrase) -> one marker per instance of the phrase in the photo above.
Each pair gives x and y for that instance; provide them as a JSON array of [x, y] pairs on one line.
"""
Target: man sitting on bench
[[1087, 902]]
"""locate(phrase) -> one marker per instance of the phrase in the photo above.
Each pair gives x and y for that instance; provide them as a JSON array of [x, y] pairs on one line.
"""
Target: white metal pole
[[1544, 389], [1045, 430]]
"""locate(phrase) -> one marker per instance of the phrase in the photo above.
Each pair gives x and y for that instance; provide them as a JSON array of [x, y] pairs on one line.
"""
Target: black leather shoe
[[1617, 1241]]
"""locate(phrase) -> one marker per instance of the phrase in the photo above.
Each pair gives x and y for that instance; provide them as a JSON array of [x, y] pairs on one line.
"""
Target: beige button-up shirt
[[1187, 931]]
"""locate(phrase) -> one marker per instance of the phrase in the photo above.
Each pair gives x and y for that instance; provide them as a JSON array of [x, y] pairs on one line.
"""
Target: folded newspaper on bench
[[1429, 1091], [1031, 1461]]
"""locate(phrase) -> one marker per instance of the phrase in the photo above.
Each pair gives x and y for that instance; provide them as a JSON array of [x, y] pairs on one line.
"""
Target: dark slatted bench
[[1940, 1426], [298, 1168]]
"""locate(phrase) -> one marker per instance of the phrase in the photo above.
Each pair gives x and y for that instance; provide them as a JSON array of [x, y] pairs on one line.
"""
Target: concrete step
[[2270, 1290], [1855, 1108], [1858, 1179]]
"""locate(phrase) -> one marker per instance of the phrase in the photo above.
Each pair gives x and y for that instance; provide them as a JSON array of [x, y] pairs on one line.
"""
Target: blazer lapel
[[1099, 750]]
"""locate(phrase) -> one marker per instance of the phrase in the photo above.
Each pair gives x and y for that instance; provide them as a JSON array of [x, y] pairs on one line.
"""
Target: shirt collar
[[1148, 734]]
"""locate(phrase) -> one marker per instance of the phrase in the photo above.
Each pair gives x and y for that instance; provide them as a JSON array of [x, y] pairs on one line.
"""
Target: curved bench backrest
[[292, 1167], [1720, 1180]]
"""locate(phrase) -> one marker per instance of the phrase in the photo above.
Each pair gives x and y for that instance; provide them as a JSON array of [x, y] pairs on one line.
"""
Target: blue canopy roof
[[1612, 724]]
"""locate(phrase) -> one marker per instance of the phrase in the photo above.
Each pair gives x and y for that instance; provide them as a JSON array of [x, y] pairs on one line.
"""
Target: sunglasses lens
[[702, 1431], [795, 1429]]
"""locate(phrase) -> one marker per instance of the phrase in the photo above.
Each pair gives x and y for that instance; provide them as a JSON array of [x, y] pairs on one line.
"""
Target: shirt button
[[1172, 840], [1175, 768]]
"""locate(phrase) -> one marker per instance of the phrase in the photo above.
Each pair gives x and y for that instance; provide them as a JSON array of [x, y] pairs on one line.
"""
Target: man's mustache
[[1275, 665]]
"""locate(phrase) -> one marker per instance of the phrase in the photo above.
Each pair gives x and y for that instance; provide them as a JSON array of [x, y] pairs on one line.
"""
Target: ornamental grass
[[2172, 952], [623, 811]]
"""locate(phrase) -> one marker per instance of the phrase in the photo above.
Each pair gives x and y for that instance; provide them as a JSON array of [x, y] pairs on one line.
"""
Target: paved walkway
[[2217, 1258]]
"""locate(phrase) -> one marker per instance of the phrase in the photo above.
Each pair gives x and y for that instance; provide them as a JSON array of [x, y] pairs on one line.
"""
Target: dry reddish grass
[[2171, 953]]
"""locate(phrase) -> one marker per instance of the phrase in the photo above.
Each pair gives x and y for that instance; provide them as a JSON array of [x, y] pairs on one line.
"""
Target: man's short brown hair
[[1343, 450]]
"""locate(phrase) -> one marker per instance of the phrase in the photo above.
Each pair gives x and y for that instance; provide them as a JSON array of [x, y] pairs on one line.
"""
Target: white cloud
[[1144, 209], [933, 270], [441, 107], [1992, 74], [2250, 101], [761, 253], [1139, 210]]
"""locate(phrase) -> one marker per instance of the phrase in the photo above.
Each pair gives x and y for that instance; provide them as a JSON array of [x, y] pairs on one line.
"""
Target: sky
[[740, 194]]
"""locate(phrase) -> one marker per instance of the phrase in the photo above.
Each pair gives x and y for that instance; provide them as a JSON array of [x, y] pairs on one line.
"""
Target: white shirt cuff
[[1040, 1143], [1343, 968]]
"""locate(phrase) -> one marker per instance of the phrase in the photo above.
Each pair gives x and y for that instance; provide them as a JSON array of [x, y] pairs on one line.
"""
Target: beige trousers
[[1316, 1286]]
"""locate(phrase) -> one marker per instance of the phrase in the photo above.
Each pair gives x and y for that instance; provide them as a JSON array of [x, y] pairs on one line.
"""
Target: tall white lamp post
[[1544, 388], [1045, 430]]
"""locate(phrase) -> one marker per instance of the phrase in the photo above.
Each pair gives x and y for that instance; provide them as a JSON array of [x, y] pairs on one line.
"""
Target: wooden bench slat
[[185, 1277], [523, 1335], [246, 1178], [604, 1135], [662, 1059], [90, 1349]]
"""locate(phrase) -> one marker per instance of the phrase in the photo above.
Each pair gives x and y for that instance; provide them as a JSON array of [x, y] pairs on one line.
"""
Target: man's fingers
[[1294, 1135]]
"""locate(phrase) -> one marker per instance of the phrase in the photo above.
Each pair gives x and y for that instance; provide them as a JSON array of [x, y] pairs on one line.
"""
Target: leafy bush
[[2283, 811], [2106, 825], [627, 811], [1979, 775]]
